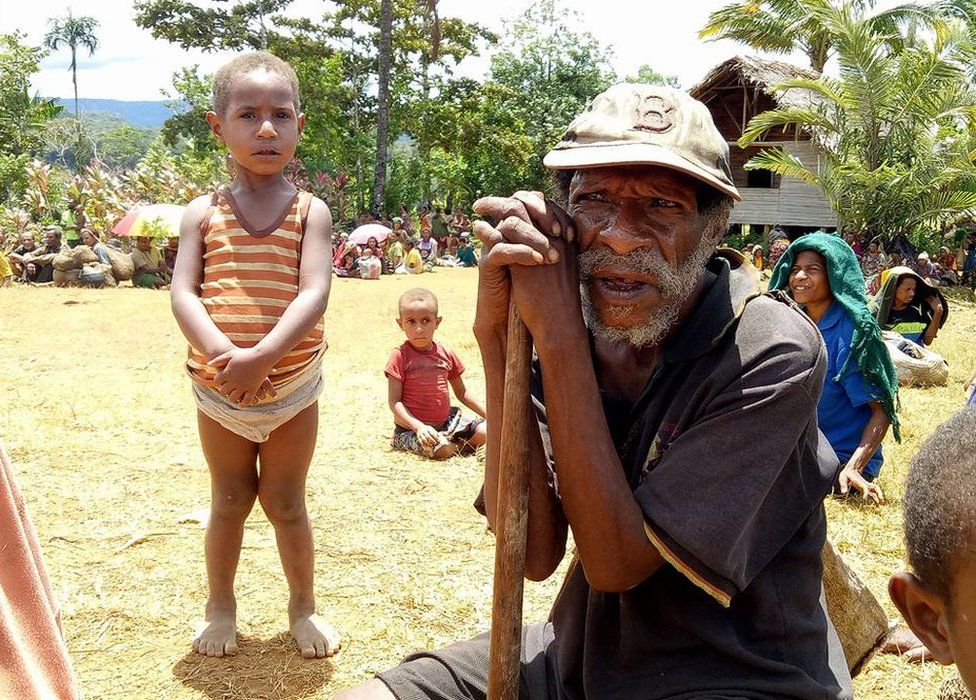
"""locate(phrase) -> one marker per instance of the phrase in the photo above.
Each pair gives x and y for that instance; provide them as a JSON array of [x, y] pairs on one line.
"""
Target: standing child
[[419, 372], [250, 288]]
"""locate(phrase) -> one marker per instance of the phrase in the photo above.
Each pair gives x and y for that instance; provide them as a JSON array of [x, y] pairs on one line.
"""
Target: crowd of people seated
[[436, 239], [416, 243]]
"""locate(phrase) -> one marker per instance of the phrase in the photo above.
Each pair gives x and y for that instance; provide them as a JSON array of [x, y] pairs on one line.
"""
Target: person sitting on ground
[[412, 263], [427, 246], [6, 273], [924, 266], [93, 274], [966, 259], [394, 249], [778, 243], [170, 251], [18, 256], [873, 261], [370, 266], [419, 373], [149, 269], [466, 255], [438, 224], [460, 222], [376, 249], [756, 257], [938, 599], [39, 263], [348, 265], [860, 392], [450, 245], [676, 430], [946, 259], [909, 306]]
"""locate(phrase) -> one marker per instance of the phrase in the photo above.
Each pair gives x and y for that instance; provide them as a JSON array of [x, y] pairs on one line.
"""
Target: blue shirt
[[844, 408]]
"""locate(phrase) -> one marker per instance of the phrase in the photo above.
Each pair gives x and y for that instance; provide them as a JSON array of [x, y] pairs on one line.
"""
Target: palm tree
[[73, 32], [895, 129], [784, 26]]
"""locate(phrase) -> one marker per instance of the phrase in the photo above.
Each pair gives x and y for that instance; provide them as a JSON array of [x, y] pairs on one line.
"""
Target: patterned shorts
[[456, 429]]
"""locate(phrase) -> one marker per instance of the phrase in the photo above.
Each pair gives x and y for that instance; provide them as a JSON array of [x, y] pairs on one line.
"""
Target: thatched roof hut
[[736, 91]]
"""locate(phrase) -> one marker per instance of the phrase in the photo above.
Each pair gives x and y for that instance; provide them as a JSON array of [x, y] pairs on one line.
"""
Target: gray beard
[[675, 288]]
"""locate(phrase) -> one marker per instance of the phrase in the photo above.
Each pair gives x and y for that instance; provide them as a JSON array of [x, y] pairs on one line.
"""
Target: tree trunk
[[383, 106], [74, 81]]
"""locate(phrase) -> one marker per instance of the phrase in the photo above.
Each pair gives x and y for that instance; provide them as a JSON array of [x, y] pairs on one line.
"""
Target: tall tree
[[383, 104], [785, 26], [75, 33], [895, 129]]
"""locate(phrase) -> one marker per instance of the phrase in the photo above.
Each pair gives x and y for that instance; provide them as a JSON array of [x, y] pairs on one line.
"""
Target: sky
[[131, 65]]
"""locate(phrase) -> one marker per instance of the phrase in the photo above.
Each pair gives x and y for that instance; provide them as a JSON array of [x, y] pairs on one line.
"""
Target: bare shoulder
[[319, 217], [193, 216]]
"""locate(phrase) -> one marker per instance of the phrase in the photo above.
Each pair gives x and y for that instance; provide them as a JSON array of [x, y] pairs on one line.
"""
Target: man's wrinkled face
[[642, 249]]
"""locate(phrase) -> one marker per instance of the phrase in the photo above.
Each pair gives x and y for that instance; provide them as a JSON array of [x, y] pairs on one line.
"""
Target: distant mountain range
[[141, 113]]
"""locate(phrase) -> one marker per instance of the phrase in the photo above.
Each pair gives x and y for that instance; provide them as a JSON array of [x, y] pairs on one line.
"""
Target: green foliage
[[22, 117], [647, 74], [545, 74], [895, 129], [74, 33], [105, 136], [190, 99]]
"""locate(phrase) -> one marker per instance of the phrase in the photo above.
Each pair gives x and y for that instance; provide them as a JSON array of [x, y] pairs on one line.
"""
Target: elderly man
[[678, 432], [38, 264]]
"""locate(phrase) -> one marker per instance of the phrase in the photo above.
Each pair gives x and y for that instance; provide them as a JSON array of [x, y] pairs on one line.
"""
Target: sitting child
[[938, 600], [370, 266], [419, 372]]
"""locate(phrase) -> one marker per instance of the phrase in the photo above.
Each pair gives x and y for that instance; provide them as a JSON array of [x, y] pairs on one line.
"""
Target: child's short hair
[[940, 502], [417, 294], [248, 63]]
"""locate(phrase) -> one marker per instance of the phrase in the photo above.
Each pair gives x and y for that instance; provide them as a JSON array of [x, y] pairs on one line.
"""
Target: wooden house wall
[[793, 203]]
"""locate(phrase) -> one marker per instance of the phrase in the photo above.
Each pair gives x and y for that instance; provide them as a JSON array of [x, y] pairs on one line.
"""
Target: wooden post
[[512, 515]]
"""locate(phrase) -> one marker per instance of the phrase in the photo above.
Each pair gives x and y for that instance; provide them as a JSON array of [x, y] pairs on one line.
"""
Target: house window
[[759, 178]]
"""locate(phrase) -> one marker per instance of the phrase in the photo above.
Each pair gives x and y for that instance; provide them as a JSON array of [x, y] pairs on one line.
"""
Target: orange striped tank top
[[249, 279]]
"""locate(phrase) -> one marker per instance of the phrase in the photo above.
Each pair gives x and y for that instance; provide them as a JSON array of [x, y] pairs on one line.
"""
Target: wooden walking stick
[[512, 514]]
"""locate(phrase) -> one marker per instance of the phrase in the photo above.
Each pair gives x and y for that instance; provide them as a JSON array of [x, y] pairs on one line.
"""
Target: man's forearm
[[607, 522]]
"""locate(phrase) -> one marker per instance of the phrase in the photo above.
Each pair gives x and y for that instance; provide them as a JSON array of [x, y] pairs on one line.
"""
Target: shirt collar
[[833, 316], [731, 283]]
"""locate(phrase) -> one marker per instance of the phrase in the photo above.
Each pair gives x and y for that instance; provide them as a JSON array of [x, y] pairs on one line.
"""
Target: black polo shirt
[[721, 451]]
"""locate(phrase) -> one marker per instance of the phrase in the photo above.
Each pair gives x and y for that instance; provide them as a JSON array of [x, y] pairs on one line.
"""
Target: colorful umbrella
[[362, 234], [153, 220]]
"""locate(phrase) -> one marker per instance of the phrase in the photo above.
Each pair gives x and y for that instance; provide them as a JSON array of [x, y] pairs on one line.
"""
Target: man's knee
[[283, 509], [373, 690]]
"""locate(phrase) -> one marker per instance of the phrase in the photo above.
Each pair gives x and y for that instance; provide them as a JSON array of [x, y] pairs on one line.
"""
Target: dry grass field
[[100, 424]]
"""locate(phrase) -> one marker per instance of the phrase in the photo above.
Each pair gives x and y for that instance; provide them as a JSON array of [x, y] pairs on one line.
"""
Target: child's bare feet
[[316, 638], [216, 635]]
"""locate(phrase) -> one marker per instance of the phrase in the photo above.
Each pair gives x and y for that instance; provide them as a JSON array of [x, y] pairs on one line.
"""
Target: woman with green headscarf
[[909, 306], [822, 274]]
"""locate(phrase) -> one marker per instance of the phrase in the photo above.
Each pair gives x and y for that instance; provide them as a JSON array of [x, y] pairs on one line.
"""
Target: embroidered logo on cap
[[655, 114]]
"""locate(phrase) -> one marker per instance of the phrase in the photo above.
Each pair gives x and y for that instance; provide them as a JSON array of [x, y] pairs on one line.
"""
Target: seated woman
[[857, 405], [909, 306]]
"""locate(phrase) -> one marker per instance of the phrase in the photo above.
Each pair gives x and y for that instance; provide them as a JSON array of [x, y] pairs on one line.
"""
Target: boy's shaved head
[[418, 295], [248, 63], [940, 502]]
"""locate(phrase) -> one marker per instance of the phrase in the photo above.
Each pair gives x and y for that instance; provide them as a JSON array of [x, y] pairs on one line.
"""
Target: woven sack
[[66, 278], [122, 267], [915, 365], [63, 262]]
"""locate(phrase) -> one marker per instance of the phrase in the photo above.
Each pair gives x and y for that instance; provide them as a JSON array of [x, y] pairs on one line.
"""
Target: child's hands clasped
[[242, 375], [428, 437]]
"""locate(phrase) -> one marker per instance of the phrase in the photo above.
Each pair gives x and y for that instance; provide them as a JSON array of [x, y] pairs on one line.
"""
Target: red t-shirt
[[425, 375]]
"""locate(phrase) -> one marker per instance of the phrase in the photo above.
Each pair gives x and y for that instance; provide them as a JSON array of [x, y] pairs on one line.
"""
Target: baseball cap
[[638, 124]]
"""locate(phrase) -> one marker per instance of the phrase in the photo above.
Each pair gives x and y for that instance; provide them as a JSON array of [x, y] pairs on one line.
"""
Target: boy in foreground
[[938, 600], [419, 372]]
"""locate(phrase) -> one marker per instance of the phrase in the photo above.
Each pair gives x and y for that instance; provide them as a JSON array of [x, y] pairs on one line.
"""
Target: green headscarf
[[868, 350], [880, 305]]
